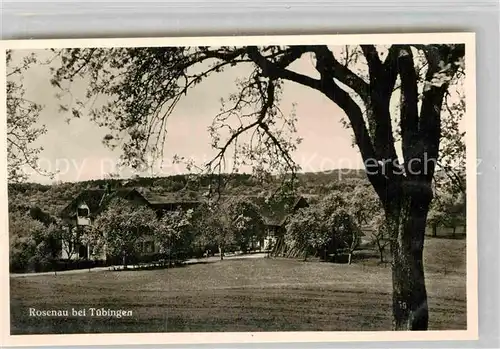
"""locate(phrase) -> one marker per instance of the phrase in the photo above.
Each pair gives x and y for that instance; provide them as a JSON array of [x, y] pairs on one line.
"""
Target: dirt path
[[115, 267]]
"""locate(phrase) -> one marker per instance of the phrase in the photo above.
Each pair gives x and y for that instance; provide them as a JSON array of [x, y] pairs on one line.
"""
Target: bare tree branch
[[409, 107], [275, 71]]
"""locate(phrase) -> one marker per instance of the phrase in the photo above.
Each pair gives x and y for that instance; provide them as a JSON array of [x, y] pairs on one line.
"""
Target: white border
[[256, 337]]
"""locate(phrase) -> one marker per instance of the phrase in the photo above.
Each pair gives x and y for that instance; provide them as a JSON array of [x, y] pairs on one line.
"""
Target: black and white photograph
[[317, 184]]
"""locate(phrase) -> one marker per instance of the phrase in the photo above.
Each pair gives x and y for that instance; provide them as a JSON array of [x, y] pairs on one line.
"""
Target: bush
[[62, 265], [21, 250], [150, 258], [36, 264]]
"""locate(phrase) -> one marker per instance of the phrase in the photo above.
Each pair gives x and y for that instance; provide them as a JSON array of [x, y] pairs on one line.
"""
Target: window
[[83, 212]]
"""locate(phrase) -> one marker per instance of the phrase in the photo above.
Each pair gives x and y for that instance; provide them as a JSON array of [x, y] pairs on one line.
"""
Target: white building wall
[[75, 254], [83, 220]]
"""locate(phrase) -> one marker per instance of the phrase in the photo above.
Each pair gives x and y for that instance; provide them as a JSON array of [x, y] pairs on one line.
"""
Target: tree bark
[[221, 252], [434, 229], [352, 247], [380, 250], [407, 221]]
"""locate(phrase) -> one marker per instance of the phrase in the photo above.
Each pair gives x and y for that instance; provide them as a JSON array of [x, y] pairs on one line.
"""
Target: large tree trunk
[[407, 221]]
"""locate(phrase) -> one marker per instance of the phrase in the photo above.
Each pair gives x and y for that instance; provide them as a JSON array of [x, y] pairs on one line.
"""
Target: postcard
[[239, 189]]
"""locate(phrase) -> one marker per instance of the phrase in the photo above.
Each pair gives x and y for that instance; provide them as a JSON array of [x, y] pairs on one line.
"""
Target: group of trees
[[324, 229], [32, 243], [447, 210], [232, 224], [37, 240], [330, 228], [338, 222]]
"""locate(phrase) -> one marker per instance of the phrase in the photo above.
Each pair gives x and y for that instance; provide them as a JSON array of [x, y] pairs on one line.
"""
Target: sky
[[75, 151]]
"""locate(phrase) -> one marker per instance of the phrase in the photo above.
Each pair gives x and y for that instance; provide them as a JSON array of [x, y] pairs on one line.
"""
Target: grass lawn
[[241, 295]]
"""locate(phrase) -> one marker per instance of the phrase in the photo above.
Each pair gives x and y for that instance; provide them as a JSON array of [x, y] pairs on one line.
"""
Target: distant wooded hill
[[52, 198]]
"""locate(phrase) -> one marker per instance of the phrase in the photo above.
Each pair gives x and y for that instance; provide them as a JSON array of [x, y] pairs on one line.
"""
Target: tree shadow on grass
[[448, 236]]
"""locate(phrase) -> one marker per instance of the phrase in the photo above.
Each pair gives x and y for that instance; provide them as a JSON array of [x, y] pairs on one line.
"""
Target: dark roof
[[91, 197], [275, 212], [96, 199], [172, 198], [123, 193]]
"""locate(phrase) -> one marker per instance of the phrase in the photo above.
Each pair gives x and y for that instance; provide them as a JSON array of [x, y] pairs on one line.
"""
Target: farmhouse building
[[83, 209], [276, 216]]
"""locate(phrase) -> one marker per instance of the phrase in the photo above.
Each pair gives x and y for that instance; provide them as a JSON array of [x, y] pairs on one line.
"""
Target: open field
[[257, 294]]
